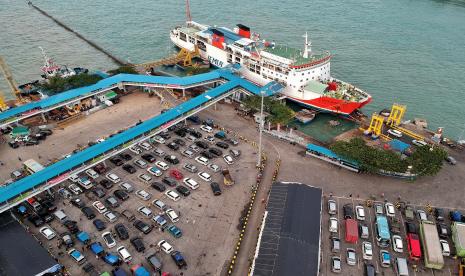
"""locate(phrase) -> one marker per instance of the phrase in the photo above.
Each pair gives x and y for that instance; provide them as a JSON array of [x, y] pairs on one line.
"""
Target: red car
[[176, 174]]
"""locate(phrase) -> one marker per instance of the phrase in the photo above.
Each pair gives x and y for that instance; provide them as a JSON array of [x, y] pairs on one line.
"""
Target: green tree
[[280, 114], [427, 160], [56, 85], [124, 69]]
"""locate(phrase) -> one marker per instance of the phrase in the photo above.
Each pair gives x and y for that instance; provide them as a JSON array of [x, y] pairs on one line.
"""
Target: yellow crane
[[3, 105], [10, 80], [184, 55]]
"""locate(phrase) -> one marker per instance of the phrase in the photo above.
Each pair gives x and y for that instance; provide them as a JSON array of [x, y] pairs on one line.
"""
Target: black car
[[122, 231], [105, 183], [121, 194], [99, 192], [443, 231], [183, 190], [31, 142], [222, 145], [169, 181], [100, 168], [178, 259], [46, 132], [173, 146], [129, 168], [216, 152], [165, 135], [99, 224], [439, 214], [13, 144], [125, 156], [148, 157], [47, 218], [171, 159], [180, 142], [207, 154], [194, 119], [215, 188], [138, 244], [196, 134], [89, 268], [201, 144], [142, 226], [158, 186], [410, 228], [348, 211], [88, 212], [49, 206], [36, 220], [180, 132], [117, 161], [71, 225], [77, 202]]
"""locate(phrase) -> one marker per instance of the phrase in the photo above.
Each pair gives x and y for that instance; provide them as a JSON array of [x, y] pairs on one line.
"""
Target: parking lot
[[208, 222], [415, 267]]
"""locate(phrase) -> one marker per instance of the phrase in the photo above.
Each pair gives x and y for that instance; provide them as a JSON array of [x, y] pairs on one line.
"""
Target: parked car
[[351, 257], [215, 188], [183, 190], [228, 159], [113, 177], [121, 194], [190, 168], [379, 208], [47, 232], [116, 161], [172, 195], [142, 194], [451, 160], [397, 244], [105, 183], [135, 149], [121, 231], [110, 216], [129, 168], [332, 207], [99, 207], [172, 215], [422, 215], [385, 258], [76, 256], [409, 213], [125, 156], [146, 212], [169, 181], [158, 186], [205, 176], [126, 187], [178, 259], [99, 224], [336, 264], [77, 202], [390, 210], [439, 214], [108, 239], [173, 146], [138, 244], [333, 225], [443, 230], [165, 246], [445, 247], [88, 212], [148, 157], [367, 250], [172, 159], [360, 212], [142, 226], [160, 220], [174, 231], [395, 133], [159, 152], [348, 211], [159, 204], [335, 244], [140, 163], [162, 165]]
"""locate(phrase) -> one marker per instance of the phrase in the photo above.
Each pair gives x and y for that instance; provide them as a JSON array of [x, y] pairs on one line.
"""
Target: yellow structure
[[10, 80], [3, 105], [397, 113], [185, 56], [376, 124]]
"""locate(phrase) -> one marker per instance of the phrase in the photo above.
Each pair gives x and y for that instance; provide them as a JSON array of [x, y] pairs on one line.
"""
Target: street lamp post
[[259, 157]]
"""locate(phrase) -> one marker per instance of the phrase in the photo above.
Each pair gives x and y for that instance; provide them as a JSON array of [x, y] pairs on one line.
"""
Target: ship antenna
[[307, 47], [188, 12]]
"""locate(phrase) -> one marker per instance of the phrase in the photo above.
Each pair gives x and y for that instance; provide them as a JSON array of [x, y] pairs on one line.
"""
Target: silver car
[[336, 264], [351, 256], [332, 207]]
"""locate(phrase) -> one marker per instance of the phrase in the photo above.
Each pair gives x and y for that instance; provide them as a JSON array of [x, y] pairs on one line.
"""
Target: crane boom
[[10, 80]]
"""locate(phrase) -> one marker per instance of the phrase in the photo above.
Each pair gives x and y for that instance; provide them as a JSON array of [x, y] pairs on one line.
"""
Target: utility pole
[[259, 156]]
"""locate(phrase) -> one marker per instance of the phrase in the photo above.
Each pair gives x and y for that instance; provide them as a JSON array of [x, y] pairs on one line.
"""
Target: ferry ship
[[304, 74]]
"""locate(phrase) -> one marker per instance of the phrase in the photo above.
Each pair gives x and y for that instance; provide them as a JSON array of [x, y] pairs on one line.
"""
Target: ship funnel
[[218, 39], [244, 31]]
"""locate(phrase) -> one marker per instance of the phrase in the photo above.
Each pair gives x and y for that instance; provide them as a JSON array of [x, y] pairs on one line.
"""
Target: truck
[[227, 179], [432, 251], [351, 231], [458, 237]]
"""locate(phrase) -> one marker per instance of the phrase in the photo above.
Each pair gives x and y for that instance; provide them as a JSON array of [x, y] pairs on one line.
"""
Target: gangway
[[184, 55], [410, 133], [16, 192]]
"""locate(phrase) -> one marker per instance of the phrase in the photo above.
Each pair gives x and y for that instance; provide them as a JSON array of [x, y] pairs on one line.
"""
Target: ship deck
[[293, 54]]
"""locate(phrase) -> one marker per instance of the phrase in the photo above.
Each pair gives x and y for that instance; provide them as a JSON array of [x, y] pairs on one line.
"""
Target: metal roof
[[290, 241]]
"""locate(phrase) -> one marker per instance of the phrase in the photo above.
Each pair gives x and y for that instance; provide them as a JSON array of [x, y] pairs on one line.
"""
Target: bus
[[329, 156], [31, 166], [383, 237]]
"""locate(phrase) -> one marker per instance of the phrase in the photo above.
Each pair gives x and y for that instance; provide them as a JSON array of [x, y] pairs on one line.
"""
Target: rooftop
[[293, 54], [290, 241]]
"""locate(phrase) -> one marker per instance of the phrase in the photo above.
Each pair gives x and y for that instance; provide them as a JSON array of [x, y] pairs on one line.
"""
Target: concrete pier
[[91, 43]]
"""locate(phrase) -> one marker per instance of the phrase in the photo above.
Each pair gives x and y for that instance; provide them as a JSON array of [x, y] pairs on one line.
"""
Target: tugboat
[[304, 73], [51, 69]]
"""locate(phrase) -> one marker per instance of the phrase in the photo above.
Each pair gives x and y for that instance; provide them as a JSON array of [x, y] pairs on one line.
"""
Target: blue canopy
[[83, 237], [111, 259], [97, 248], [398, 145], [141, 271]]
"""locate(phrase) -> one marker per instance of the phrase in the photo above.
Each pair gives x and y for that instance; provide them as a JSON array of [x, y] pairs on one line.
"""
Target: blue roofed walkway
[[14, 193]]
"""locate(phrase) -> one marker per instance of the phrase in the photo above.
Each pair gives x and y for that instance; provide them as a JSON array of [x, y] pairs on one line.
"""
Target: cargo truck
[[351, 231], [432, 251], [458, 236], [228, 181]]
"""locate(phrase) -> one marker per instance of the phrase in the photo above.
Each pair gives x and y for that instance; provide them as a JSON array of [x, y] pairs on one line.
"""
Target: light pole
[[259, 157]]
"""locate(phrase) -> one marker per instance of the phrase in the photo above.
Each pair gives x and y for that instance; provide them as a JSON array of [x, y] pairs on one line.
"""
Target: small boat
[[305, 116]]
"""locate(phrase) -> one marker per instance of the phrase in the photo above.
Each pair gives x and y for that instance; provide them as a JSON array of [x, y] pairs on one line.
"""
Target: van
[[60, 215], [124, 254], [401, 267]]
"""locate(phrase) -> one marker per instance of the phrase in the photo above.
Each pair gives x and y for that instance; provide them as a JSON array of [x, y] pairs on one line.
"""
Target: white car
[[110, 216], [124, 254], [367, 251], [159, 152], [228, 159], [99, 207], [140, 163], [159, 139], [172, 215], [419, 143], [75, 189], [333, 225], [165, 246], [144, 177], [422, 215], [155, 171], [108, 239], [202, 160], [146, 212], [360, 212], [390, 210], [91, 173], [395, 133], [113, 177], [214, 167], [135, 149], [188, 153], [85, 183], [194, 148], [127, 187], [172, 195], [205, 176], [145, 146], [210, 139], [332, 207], [74, 178], [77, 256], [142, 194], [47, 232], [445, 247], [191, 138], [191, 183], [397, 244], [162, 165], [206, 128], [159, 204]]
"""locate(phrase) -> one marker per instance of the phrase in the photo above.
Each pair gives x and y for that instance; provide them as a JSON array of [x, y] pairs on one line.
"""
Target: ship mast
[[188, 12], [307, 47]]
